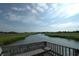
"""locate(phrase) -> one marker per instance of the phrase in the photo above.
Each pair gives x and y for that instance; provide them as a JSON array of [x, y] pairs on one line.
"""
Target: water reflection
[[42, 37]]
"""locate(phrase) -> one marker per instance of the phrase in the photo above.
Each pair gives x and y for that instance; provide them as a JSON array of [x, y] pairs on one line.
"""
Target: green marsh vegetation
[[68, 35], [10, 37]]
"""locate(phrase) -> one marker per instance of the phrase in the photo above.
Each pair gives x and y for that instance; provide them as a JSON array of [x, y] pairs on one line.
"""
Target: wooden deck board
[[34, 52]]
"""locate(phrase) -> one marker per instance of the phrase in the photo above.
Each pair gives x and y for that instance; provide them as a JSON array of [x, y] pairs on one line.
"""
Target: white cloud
[[5, 27], [64, 10], [55, 6], [39, 9], [22, 18], [14, 17], [44, 16], [43, 5], [28, 7], [65, 26], [18, 9], [1, 11], [72, 10], [34, 11]]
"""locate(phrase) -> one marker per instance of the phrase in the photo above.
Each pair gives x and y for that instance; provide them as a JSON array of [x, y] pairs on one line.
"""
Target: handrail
[[56, 49], [13, 50], [63, 50]]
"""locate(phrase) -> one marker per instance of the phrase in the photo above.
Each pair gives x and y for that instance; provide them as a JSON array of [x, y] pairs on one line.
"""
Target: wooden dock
[[34, 52], [39, 49]]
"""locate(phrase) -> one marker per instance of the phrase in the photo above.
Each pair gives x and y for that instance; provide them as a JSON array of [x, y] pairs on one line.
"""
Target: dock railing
[[13, 50], [61, 50], [56, 50]]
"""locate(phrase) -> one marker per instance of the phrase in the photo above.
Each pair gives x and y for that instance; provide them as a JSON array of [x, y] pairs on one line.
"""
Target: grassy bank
[[68, 35], [10, 38]]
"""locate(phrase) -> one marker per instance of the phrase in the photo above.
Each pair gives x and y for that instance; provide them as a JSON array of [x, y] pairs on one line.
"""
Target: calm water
[[42, 37]]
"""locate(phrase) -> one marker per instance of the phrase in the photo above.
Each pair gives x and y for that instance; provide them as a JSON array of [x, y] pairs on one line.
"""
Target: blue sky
[[38, 17]]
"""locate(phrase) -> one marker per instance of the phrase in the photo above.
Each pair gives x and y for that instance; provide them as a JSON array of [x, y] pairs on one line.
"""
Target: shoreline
[[70, 36], [6, 39]]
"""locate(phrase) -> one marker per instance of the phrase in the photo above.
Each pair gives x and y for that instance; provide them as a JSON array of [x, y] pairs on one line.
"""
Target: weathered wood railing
[[57, 50], [13, 50], [60, 50]]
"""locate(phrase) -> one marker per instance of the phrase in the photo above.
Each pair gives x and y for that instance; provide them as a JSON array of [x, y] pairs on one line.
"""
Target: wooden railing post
[[76, 52], [69, 52], [65, 51], [62, 50], [73, 52], [45, 44], [55, 49]]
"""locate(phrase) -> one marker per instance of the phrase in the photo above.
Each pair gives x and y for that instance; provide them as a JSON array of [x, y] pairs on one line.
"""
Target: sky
[[39, 17]]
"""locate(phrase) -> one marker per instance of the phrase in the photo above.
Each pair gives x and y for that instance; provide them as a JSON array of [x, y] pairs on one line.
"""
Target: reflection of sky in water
[[41, 37]]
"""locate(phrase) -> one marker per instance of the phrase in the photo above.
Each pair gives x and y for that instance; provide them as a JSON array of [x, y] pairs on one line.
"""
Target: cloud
[[43, 5], [39, 9], [18, 9], [5, 27], [68, 26], [28, 7], [1, 11], [64, 10], [72, 10], [45, 17], [55, 11], [14, 17], [22, 18], [34, 11]]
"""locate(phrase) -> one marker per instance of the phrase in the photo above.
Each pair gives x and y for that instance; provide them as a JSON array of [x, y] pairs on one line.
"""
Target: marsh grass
[[67, 35], [9, 38]]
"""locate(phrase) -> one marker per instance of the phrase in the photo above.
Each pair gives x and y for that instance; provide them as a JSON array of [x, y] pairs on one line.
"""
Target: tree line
[[12, 32]]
